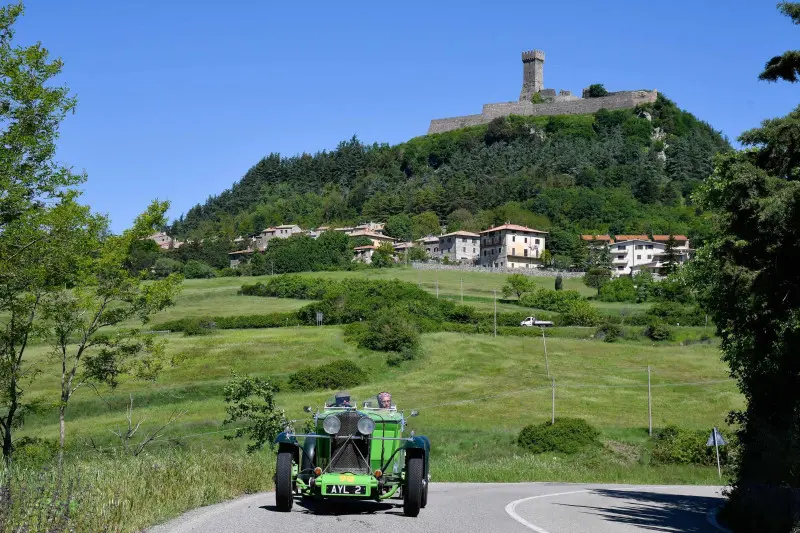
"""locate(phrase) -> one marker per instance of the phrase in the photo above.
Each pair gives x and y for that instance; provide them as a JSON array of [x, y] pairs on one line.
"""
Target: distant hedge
[[272, 320], [674, 445]]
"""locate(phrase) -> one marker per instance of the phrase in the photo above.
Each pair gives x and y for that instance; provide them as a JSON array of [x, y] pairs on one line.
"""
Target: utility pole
[[649, 403], [546, 361], [495, 313]]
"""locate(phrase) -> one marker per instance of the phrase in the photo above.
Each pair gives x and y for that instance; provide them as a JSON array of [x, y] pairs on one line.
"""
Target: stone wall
[[536, 272], [561, 106]]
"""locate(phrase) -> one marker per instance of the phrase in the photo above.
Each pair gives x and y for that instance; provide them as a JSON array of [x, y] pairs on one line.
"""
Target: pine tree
[[671, 258]]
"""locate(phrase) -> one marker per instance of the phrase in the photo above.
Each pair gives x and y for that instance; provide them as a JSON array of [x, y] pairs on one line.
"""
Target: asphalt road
[[484, 507]]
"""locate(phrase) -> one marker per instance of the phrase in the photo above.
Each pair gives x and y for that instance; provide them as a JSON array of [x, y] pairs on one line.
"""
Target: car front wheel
[[412, 495], [284, 496]]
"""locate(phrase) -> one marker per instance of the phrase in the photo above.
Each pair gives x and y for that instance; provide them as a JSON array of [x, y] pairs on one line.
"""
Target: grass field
[[474, 394]]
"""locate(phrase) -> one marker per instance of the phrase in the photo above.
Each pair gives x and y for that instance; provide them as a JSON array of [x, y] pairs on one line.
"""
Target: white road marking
[[533, 527]]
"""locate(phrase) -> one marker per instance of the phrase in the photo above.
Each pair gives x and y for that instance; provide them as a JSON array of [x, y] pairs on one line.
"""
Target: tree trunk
[[62, 409], [7, 450]]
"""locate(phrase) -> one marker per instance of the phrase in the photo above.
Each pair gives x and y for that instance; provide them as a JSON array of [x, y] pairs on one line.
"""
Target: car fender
[[288, 442], [419, 445]]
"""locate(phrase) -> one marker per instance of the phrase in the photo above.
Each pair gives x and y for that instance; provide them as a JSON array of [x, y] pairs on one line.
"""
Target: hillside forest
[[625, 171]]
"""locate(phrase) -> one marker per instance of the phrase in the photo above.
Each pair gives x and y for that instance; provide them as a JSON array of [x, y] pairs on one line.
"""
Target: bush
[[34, 452], [579, 313], [596, 90], [406, 354], [567, 435], [674, 445], [272, 320], [197, 270], [559, 282], [658, 331], [165, 266], [390, 331], [228, 272], [674, 313], [551, 300], [339, 374], [609, 332], [621, 289]]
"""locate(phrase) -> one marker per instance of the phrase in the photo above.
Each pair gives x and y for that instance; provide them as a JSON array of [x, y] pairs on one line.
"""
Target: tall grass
[[123, 493]]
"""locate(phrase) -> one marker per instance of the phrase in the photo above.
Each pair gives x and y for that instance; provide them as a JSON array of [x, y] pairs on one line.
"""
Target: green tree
[[597, 90], [426, 223], [252, 401], [747, 279], [103, 295], [417, 253], [596, 278], [194, 269], [383, 256], [40, 241], [399, 227], [671, 260], [786, 66], [517, 285], [559, 282]]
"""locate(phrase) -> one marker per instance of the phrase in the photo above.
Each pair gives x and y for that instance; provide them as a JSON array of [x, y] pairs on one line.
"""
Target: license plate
[[347, 489]]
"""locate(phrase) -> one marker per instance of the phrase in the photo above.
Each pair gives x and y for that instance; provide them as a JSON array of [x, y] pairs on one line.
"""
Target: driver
[[342, 399], [384, 400]]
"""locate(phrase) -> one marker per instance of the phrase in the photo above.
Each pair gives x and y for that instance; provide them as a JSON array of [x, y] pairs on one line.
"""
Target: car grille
[[346, 455]]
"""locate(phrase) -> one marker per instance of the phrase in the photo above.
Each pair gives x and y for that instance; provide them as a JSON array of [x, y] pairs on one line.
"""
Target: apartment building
[[512, 246]]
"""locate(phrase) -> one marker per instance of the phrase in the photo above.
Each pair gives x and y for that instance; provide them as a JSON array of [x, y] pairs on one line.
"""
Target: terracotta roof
[[666, 237], [606, 238], [368, 247], [619, 238], [461, 234], [513, 227]]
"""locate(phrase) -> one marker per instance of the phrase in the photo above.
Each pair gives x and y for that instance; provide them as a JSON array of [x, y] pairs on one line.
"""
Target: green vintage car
[[355, 452]]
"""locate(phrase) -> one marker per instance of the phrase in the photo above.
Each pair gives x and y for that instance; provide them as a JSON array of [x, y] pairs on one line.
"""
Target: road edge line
[[533, 527]]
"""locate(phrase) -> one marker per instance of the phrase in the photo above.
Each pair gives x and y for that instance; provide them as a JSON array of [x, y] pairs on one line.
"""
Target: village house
[[364, 253], [280, 232], [376, 238], [239, 256], [460, 246], [430, 244], [164, 241], [631, 254], [512, 246]]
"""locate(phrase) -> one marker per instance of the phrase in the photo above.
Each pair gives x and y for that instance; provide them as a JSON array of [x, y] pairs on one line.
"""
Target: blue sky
[[178, 99]]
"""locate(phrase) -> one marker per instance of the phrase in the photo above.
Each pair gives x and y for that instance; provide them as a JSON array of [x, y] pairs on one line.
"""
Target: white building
[[512, 246], [631, 255], [460, 246]]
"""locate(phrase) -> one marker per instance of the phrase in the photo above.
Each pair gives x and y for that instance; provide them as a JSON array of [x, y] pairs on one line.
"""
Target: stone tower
[[532, 74]]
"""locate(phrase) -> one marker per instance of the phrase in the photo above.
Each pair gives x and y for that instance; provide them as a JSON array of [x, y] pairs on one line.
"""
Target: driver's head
[[342, 398], [384, 400]]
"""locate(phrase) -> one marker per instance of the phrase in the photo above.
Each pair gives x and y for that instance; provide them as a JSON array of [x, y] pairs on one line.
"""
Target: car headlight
[[366, 426], [332, 425]]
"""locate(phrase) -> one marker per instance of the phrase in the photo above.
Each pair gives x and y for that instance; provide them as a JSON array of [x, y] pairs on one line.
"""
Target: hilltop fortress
[[549, 103]]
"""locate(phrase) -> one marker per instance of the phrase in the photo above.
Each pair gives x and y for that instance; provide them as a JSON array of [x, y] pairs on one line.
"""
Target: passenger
[[342, 399], [384, 400]]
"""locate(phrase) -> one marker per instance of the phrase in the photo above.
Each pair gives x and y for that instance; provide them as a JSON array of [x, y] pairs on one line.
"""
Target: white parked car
[[531, 321]]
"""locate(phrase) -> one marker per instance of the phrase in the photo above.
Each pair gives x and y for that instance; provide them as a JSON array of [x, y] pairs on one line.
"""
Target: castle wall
[[560, 106]]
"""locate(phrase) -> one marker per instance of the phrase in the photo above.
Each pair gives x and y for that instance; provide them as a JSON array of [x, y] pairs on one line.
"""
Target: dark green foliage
[[194, 269], [143, 255], [580, 313], [300, 253], [609, 332], [165, 266], [34, 452], [597, 90], [620, 289], [550, 300], [559, 282], [399, 227], [596, 278], [658, 331], [517, 285], [291, 286], [567, 435], [390, 330], [197, 326], [674, 313], [340, 374], [212, 251], [670, 260], [576, 172], [252, 401], [674, 445], [383, 256]]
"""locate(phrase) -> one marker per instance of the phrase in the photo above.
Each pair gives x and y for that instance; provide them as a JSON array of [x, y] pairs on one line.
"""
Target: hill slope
[[626, 171]]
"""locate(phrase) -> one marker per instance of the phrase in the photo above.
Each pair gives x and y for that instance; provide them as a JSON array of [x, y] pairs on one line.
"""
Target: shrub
[[609, 332], [339, 374], [674, 313], [195, 269], [559, 282], [596, 278], [567, 435], [580, 313], [272, 320], [165, 266], [658, 331], [406, 354], [390, 331], [550, 300], [228, 272], [597, 90], [674, 445], [34, 452], [621, 289]]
